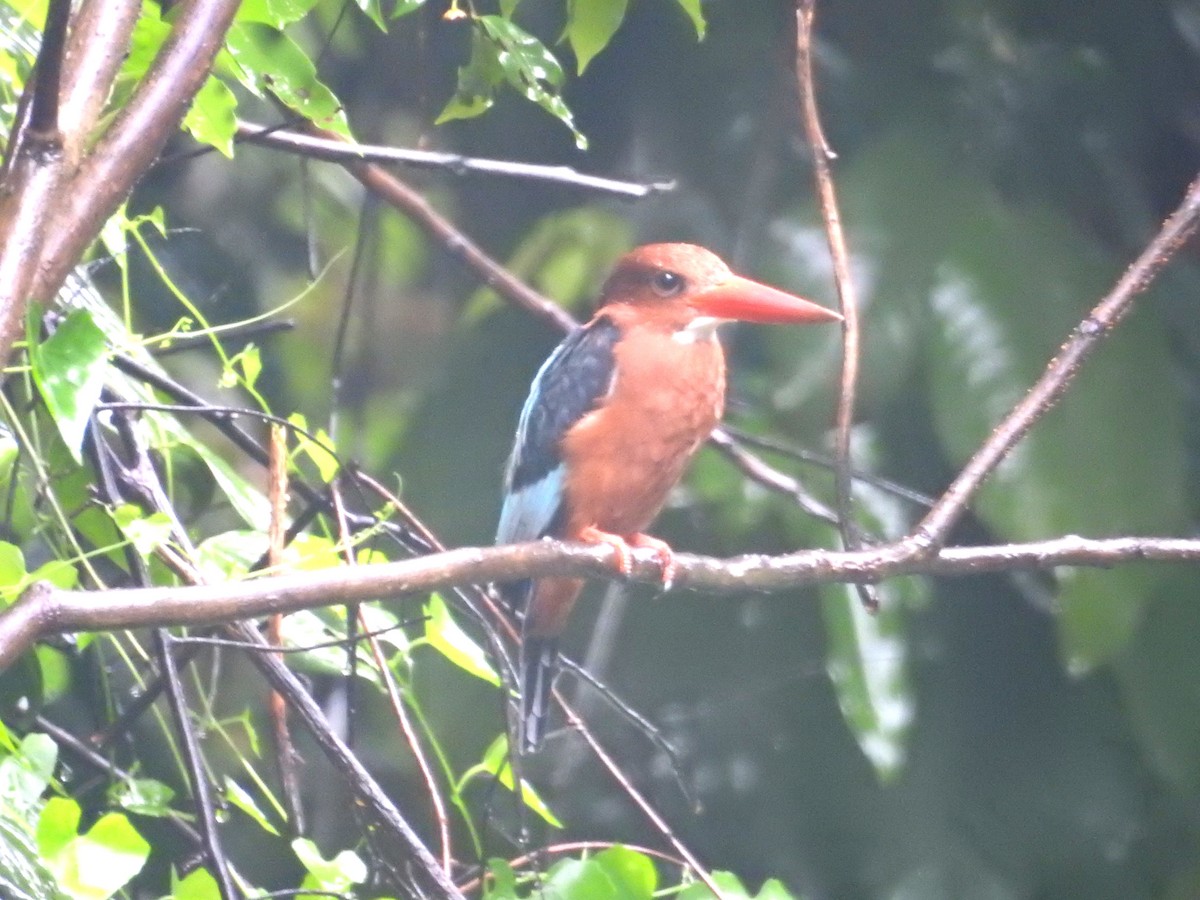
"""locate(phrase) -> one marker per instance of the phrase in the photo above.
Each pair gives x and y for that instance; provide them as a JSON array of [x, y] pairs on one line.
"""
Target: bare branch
[[392, 190], [847, 296], [45, 610], [98, 43], [136, 137], [341, 151]]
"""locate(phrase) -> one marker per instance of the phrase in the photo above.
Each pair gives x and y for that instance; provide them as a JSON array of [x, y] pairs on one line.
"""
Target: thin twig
[[341, 151], [659, 823], [847, 296], [400, 195]]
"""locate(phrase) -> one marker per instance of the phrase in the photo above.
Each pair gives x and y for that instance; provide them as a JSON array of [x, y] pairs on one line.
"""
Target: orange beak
[[748, 301]]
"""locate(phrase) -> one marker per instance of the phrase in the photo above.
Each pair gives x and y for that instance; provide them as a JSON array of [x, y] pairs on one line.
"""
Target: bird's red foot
[[621, 546]]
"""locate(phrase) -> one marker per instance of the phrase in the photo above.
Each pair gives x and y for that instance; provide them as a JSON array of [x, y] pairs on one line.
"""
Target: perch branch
[[45, 610]]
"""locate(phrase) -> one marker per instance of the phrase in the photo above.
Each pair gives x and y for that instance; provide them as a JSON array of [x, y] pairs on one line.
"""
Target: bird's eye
[[667, 284]]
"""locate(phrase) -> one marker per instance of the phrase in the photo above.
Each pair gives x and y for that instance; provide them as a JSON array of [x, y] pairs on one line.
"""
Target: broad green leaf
[[337, 875], [276, 13], [238, 797], [96, 865], [143, 796], [198, 885], [445, 636], [696, 14], [146, 533], [404, 7], [57, 825], [1159, 678], [502, 52], [495, 763], [12, 571], [59, 572], [502, 880], [581, 878], [373, 11], [25, 775], [774, 889], [32, 11], [866, 661], [477, 81], [212, 117], [632, 874], [531, 69], [54, 669], [591, 25], [23, 874], [731, 888], [69, 369], [269, 63], [321, 451]]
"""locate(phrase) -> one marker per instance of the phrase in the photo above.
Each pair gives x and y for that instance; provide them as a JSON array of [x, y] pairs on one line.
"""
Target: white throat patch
[[701, 328]]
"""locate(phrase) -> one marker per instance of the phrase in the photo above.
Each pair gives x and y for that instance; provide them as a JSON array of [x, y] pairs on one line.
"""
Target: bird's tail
[[539, 665]]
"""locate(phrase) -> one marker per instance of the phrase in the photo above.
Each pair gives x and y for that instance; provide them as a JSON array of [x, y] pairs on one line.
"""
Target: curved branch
[[45, 610]]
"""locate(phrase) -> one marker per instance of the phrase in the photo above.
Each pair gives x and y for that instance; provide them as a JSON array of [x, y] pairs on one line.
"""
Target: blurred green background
[[998, 163]]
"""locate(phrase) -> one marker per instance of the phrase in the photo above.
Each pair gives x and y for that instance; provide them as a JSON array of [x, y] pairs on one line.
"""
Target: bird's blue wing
[[571, 383]]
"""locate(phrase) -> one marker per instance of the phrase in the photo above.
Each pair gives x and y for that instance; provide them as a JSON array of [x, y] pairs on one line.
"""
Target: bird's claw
[[624, 559]]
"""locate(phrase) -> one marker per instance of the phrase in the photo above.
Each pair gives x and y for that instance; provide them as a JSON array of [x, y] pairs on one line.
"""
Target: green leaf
[[580, 878], [730, 885], [445, 636], [696, 14], [502, 881], [321, 451], [404, 7], [96, 865], [198, 885], [143, 796], [477, 81], [276, 13], [495, 763], [69, 369], [502, 51], [269, 63], [12, 571], [632, 874], [866, 661], [531, 69], [57, 825], [337, 875], [23, 876], [146, 533], [591, 25], [212, 117], [238, 797], [1159, 678], [25, 775]]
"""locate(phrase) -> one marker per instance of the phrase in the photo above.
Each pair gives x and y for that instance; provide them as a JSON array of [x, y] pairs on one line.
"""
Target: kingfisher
[[612, 418]]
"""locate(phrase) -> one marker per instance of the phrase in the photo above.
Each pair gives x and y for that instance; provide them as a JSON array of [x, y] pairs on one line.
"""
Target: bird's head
[[687, 288]]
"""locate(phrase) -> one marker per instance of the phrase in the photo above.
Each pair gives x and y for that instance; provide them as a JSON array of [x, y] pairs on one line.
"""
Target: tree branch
[[339, 150], [45, 610], [136, 137]]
